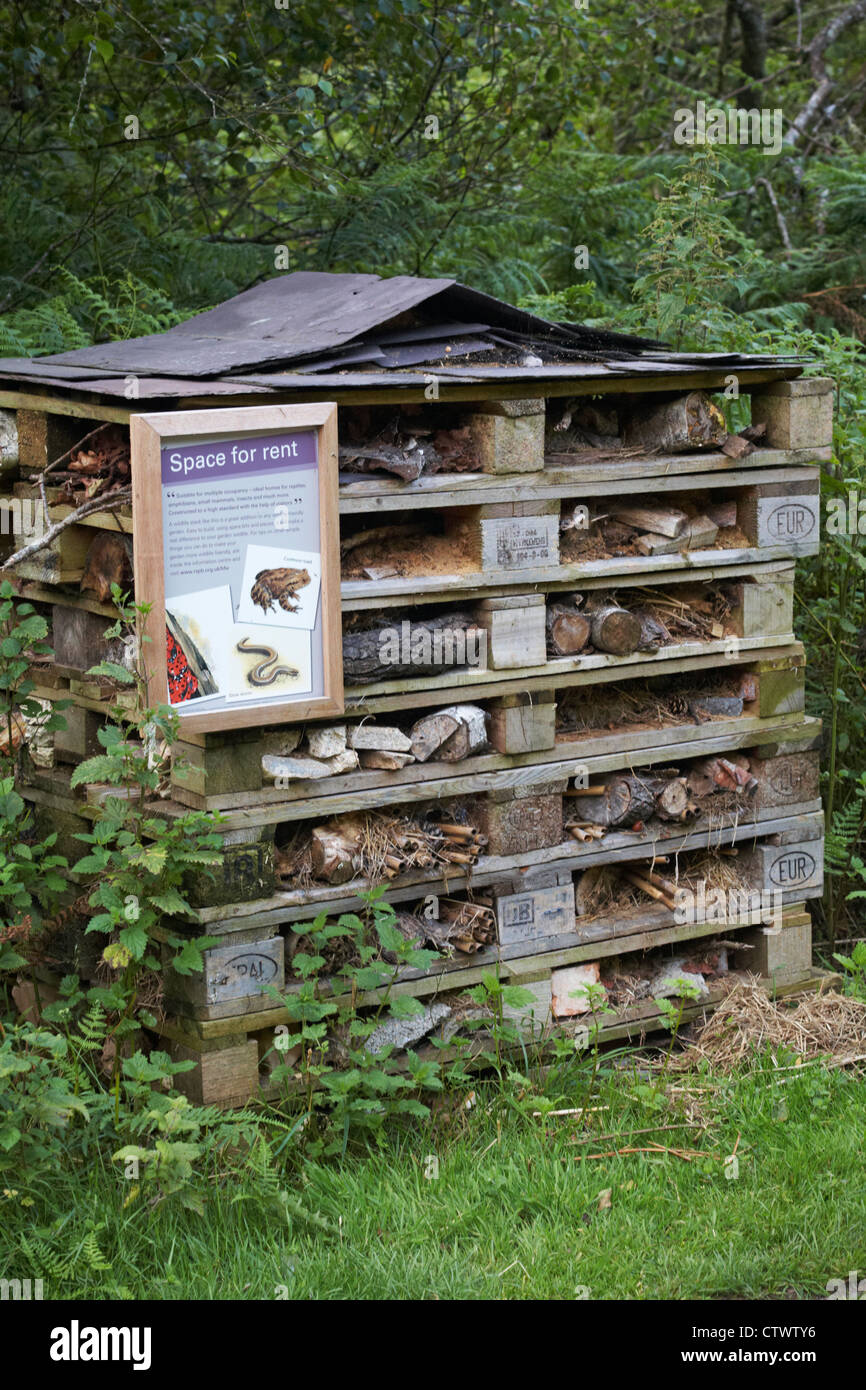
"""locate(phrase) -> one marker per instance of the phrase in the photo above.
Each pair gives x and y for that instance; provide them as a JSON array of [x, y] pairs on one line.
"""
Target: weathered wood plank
[[458, 976], [617, 847], [696, 566], [680, 472], [604, 753]]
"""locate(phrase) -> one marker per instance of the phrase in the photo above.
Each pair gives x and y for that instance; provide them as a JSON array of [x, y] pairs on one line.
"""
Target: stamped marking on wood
[[543, 912], [791, 520], [233, 972], [793, 866], [520, 542]]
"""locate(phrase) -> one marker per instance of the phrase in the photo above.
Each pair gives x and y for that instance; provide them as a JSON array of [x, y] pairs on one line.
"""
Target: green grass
[[511, 1215]]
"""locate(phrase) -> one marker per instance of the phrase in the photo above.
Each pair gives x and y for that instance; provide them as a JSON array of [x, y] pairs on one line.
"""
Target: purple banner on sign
[[212, 460]]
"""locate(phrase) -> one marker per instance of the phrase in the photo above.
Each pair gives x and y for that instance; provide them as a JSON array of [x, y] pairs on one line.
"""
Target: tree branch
[[814, 107], [112, 503]]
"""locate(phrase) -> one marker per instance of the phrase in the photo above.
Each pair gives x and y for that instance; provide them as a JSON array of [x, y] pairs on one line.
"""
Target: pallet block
[[798, 414], [60, 562], [220, 767], [764, 606], [782, 514], [515, 630], [778, 953], [781, 685], [43, 437], [795, 866], [789, 779], [534, 914], [227, 1075], [245, 871], [535, 1016], [509, 442], [510, 535], [523, 723], [233, 978], [78, 638], [79, 738], [518, 819]]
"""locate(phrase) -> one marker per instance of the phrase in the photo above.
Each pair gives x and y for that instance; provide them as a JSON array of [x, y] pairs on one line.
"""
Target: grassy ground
[[512, 1213]]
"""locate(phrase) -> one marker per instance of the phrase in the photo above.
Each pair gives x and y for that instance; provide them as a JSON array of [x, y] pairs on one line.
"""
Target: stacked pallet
[[574, 744]]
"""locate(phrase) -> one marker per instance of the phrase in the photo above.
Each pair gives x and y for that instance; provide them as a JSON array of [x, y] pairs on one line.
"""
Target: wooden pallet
[[559, 479], [235, 1056], [801, 822], [506, 517]]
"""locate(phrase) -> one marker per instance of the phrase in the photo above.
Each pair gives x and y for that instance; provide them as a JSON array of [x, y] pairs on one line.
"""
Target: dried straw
[[748, 1023]]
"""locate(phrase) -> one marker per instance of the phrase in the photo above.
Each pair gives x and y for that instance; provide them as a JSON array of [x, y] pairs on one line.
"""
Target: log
[[626, 801], [673, 800], [687, 422], [660, 521], [699, 531], [567, 630], [451, 734], [403, 648], [736, 447], [333, 855], [615, 630], [649, 544], [380, 737], [108, 561]]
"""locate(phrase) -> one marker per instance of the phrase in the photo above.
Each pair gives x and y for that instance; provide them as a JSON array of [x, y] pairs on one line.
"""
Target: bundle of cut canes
[[379, 846]]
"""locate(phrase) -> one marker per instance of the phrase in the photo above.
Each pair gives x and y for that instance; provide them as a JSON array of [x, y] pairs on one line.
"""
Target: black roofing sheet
[[316, 324]]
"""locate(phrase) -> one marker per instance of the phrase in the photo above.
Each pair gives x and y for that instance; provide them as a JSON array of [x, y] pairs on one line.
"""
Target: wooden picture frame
[[150, 434]]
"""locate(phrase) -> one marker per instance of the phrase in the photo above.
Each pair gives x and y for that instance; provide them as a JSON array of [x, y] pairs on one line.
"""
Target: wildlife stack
[[572, 686]]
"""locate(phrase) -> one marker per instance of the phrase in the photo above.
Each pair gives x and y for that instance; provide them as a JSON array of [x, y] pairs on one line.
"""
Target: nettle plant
[[139, 858], [30, 879], [324, 1049]]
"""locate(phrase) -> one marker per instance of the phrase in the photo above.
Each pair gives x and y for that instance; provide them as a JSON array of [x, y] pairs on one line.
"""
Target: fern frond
[[842, 837]]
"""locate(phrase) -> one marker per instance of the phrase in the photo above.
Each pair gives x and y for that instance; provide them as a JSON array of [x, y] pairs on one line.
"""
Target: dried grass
[[748, 1022]]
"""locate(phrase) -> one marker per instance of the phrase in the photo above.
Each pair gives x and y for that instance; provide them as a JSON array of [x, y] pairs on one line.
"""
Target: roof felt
[[311, 324]]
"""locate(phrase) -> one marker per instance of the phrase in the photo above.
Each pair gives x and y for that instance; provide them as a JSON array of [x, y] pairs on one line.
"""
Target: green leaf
[[134, 938], [113, 671]]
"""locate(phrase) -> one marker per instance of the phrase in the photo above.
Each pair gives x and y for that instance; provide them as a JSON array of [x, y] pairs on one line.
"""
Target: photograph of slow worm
[[265, 672]]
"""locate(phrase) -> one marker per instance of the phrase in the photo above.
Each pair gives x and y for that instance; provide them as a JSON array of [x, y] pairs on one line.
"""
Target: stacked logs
[[601, 623], [630, 800]]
